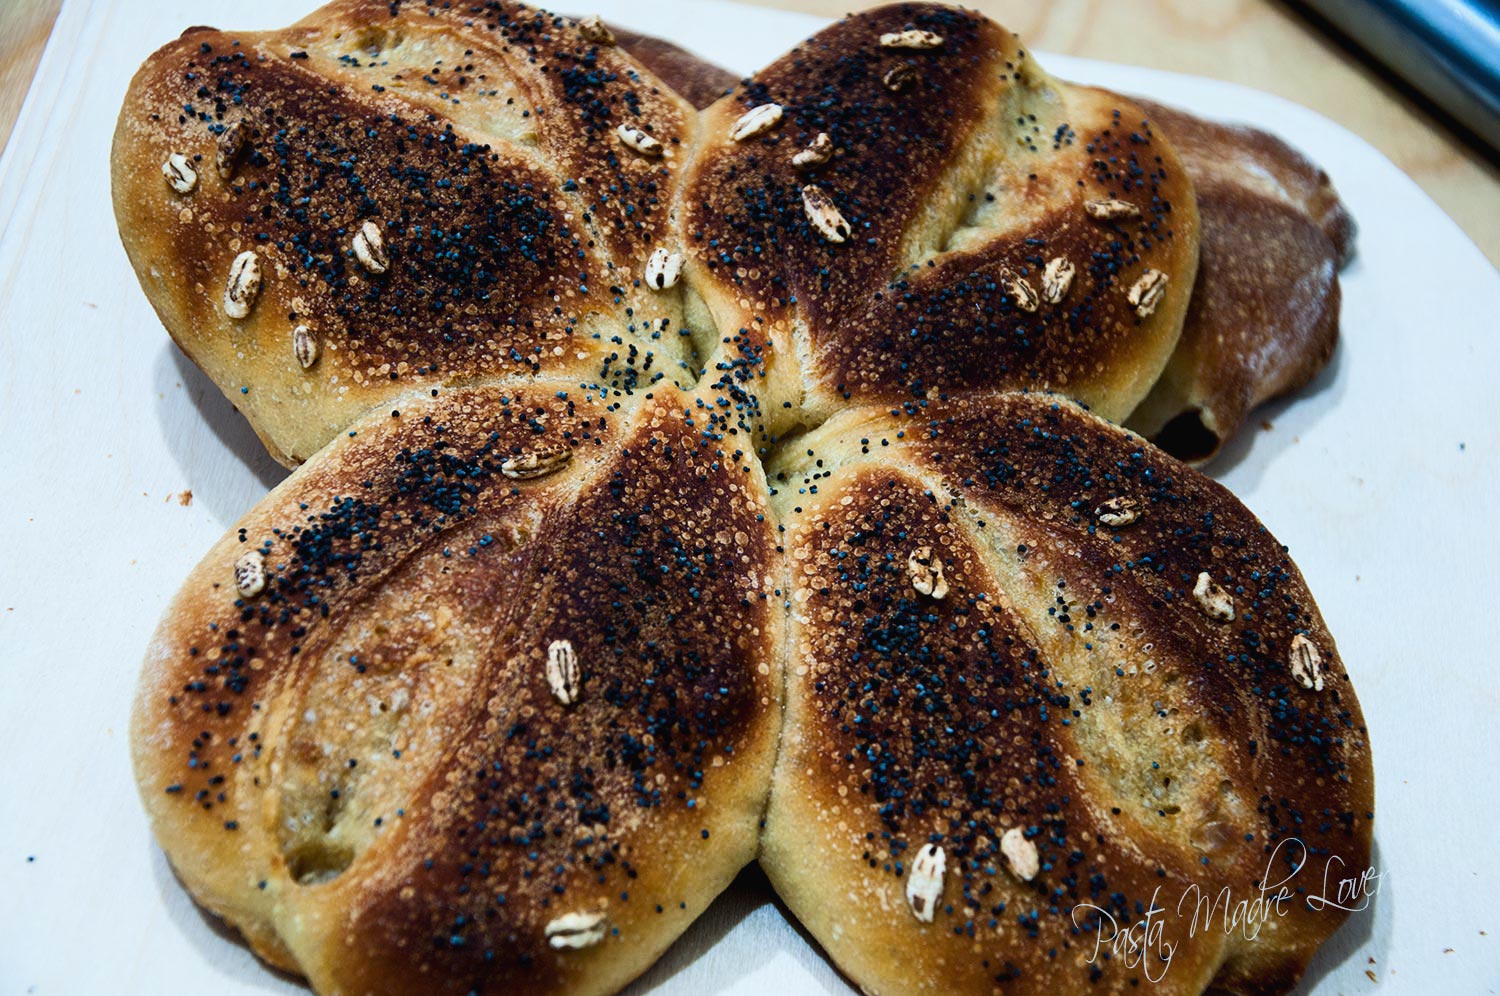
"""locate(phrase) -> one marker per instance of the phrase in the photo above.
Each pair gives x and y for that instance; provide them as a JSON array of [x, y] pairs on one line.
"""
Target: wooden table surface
[[1266, 44]]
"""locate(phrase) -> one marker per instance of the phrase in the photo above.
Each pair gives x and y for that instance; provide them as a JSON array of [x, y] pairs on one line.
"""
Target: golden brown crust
[[970, 173], [1067, 684], [364, 768], [514, 220], [1263, 318], [1263, 314], [506, 658], [1262, 321]]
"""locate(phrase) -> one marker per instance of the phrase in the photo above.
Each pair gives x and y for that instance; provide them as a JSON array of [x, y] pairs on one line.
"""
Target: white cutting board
[[1383, 478]]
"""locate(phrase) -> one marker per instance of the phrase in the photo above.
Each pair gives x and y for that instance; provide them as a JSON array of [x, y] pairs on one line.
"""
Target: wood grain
[[24, 27], [1260, 43]]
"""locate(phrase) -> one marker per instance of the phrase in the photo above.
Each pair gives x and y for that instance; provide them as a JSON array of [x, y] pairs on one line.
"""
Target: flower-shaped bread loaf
[[677, 489]]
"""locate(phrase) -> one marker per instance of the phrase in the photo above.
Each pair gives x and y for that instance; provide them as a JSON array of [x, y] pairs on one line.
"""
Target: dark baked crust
[[1262, 320], [1264, 316], [699, 81], [363, 767], [1068, 684], [980, 165], [483, 146]]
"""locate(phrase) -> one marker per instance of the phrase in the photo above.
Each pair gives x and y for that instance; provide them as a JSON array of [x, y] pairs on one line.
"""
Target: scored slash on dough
[[925, 884]]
